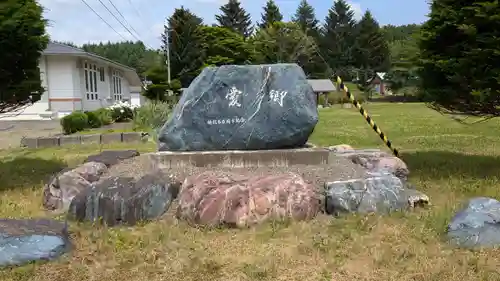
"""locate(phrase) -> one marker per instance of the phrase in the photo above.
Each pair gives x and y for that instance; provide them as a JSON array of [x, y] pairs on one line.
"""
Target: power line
[[112, 4], [138, 13], [118, 20], [121, 23], [92, 9]]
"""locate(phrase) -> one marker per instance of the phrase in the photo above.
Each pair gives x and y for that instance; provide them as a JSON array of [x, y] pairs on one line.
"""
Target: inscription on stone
[[225, 121], [278, 96], [233, 97]]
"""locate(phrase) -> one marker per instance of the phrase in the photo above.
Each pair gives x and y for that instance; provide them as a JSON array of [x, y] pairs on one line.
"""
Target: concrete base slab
[[243, 158]]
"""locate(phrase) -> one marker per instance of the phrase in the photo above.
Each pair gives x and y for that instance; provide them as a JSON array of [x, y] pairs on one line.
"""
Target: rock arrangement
[[215, 198], [243, 107], [210, 198]]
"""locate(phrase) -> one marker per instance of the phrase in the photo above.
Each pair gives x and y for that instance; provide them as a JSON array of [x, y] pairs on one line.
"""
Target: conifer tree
[[337, 42], [271, 14], [305, 17], [372, 50], [185, 45], [234, 17], [459, 51]]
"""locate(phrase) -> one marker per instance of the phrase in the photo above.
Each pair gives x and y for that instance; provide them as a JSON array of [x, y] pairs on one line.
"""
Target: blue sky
[[72, 20]]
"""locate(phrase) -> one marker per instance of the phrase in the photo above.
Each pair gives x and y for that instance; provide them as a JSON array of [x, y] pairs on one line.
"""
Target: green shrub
[[121, 114], [152, 115], [104, 115], [93, 119], [74, 122]]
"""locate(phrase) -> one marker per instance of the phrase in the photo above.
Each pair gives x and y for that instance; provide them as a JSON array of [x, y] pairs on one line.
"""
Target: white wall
[[125, 89], [42, 65], [62, 77], [136, 98]]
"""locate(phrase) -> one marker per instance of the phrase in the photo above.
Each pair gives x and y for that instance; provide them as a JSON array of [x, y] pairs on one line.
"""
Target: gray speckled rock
[[248, 107], [477, 225], [376, 192], [26, 240], [121, 200]]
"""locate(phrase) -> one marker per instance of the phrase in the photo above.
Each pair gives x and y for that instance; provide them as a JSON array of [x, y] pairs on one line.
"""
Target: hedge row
[[81, 120]]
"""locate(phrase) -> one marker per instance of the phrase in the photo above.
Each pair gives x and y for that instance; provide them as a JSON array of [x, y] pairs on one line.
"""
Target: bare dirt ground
[[11, 132]]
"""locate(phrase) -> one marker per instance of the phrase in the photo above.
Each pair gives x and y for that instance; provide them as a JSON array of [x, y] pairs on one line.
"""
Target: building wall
[[378, 85], [62, 81], [136, 97], [105, 89], [42, 65]]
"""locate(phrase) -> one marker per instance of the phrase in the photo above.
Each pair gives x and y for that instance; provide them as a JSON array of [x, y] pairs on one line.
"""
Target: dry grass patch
[[448, 161]]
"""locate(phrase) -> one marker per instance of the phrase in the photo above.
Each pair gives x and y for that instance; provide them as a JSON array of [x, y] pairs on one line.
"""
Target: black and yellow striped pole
[[367, 117]]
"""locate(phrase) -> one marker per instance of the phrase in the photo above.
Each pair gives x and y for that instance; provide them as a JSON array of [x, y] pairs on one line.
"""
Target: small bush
[[93, 119], [122, 114], [74, 122], [104, 115], [152, 115]]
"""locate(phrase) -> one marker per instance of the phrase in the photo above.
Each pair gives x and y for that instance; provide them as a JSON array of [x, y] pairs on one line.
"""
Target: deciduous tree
[[22, 40], [282, 43], [222, 46]]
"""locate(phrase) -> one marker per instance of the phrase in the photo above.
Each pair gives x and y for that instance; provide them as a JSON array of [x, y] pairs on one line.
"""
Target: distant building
[[77, 80], [322, 87], [379, 83]]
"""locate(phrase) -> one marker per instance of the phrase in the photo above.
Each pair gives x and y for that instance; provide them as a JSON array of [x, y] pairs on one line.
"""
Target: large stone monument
[[247, 107]]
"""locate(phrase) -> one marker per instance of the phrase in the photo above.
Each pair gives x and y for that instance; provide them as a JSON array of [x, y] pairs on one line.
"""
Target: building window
[[101, 74], [90, 72], [117, 86]]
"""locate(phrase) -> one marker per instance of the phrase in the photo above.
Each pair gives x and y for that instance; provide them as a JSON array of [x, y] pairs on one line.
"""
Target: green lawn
[[449, 161], [113, 128]]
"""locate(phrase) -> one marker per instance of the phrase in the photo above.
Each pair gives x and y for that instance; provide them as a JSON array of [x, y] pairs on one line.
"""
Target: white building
[[76, 80]]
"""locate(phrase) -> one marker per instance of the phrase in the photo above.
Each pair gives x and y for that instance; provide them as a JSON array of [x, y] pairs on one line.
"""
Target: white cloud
[[356, 7]]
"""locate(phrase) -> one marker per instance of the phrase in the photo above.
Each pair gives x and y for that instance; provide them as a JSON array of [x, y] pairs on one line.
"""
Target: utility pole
[[167, 36]]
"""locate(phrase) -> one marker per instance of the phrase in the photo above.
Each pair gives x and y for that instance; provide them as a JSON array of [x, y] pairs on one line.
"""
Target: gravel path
[[341, 169], [11, 132]]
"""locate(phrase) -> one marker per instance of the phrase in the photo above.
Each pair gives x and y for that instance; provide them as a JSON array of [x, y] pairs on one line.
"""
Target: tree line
[[339, 44], [450, 58]]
